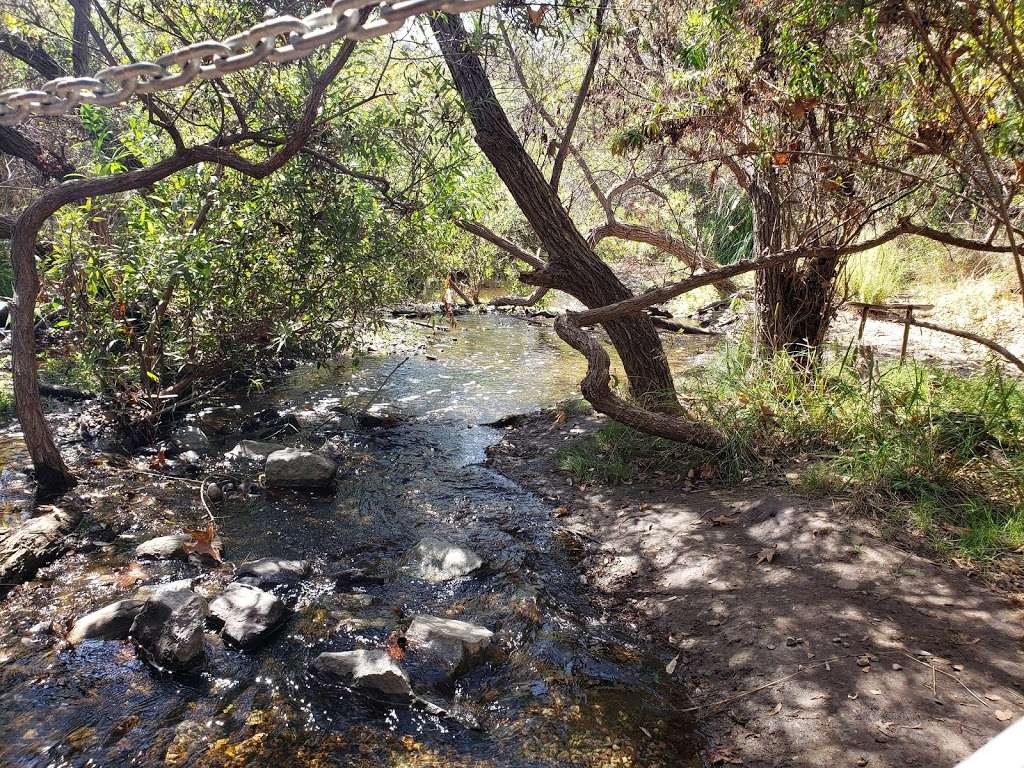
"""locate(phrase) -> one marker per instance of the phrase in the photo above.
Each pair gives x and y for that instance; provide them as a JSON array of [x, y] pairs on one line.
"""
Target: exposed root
[[596, 388]]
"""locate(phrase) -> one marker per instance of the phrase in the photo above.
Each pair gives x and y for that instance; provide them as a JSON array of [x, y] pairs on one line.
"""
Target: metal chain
[[278, 40]]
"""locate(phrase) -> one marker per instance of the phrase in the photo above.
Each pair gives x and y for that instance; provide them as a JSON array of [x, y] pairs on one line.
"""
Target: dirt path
[[863, 654]]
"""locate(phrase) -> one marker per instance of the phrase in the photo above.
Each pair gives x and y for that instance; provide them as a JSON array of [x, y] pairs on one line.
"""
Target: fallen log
[[64, 393], [33, 544]]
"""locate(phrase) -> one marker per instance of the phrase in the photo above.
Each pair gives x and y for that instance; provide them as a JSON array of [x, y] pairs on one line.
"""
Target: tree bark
[[573, 265], [794, 301]]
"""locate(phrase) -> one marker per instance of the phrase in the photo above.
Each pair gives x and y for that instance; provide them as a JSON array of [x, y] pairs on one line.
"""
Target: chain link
[[277, 40]]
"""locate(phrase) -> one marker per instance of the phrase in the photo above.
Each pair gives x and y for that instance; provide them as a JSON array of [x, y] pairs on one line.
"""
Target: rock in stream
[[292, 468], [248, 613], [371, 669], [438, 560], [169, 628]]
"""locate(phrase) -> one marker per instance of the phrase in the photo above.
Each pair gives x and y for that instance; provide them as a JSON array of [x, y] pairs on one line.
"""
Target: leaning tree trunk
[[573, 266], [795, 301]]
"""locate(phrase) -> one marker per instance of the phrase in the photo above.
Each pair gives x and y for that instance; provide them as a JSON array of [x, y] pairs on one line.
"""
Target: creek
[[572, 683]]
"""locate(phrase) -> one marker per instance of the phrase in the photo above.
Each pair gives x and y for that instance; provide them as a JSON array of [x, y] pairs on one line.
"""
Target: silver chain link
[[278, 40]]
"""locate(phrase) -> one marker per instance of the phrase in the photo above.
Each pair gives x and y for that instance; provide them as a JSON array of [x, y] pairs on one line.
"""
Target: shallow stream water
[[572, 683]]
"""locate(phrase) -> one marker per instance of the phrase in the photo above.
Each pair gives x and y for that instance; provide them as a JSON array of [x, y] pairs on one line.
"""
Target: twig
[[343, 409], [946, 674], [743, 694]]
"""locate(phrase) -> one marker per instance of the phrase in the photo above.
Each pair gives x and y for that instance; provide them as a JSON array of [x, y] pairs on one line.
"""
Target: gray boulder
[[373, 670], [437, 560], [292, 468], [169, 628], [112, 622], [447, 644], [271, 571], [249, 614], [253, 450]]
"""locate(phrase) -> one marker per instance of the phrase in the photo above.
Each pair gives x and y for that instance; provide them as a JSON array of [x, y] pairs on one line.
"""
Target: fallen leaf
[[396, 646], [766, 555], [560, 511], [723, 755], [159, 461], [560, 417], [723, 519], [203, 541], [1002, 715], [775, 710], [130, 575], [670, 668]]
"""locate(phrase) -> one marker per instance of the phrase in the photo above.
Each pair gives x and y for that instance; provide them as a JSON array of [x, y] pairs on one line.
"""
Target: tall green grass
[[939, 454]]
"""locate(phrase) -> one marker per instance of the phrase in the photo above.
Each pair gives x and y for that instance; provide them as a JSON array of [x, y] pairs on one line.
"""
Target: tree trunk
[[794, 302], [573, 265], [51, 472]]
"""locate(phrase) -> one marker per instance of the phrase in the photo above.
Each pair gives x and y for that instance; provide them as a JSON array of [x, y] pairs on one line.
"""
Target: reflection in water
[[571, 686]]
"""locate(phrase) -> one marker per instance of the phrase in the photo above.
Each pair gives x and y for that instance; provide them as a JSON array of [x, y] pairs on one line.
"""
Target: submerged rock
[[253, 450], [292, 468], [112, 622], [439, 560], [169, 628], [370, 669], [248, 613], [447, 644], [271, 571]]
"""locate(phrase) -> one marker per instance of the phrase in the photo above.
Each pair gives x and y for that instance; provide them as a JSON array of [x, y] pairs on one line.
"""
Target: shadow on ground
[[841, 650]]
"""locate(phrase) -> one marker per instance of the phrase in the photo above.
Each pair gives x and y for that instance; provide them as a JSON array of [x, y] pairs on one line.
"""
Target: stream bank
[[803, 638]]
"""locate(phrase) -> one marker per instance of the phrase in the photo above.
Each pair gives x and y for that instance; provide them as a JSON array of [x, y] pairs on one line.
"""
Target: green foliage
[[877, 275]]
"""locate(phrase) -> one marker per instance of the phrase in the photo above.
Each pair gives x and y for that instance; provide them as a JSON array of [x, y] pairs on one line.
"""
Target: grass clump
[[940, 453]]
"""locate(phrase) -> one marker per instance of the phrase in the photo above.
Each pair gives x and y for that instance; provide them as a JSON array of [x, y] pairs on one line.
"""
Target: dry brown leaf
[[536, 14], [775, 710], [130, 575], [723, 755], [159, 461], [203, 541], [396, 646], [1002, 715], [560, 417], [724, 519], [767, 554], [560, 511]]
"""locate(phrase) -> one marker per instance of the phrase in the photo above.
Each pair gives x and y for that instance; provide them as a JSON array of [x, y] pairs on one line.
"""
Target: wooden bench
[[906, 309]]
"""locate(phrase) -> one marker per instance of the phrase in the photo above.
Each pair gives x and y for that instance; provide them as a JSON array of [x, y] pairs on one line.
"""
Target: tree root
[[596, 388]]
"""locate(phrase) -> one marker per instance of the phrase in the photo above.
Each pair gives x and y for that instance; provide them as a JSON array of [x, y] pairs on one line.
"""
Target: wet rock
[[439, 560], [271, 572], [190, 438], [448, 644], [370, 669], [169, 628], [383, 420], [26, 548], [359, 574], [112, 622], [214, 493], [252, 450], [248, 613], [176, 546], [292, 468]]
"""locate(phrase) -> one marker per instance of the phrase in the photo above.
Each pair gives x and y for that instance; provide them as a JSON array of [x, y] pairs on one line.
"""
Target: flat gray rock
[[111, 622], [249, 614], [292, 468], [437, 560], [253, 450], [272, 571], [370, 669], [176, 546], [169, 628]]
